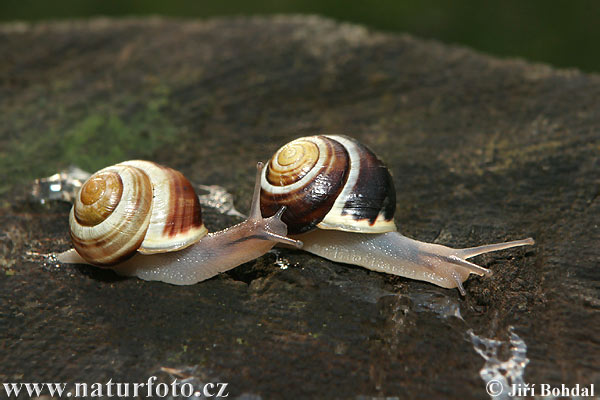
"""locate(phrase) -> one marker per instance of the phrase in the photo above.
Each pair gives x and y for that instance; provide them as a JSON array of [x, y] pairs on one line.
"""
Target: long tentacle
[[255, 207], [474, 251]]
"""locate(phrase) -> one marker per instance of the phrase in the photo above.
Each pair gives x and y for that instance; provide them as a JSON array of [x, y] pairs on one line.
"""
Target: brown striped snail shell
[[341, 201], [329, 182], [134, 206]]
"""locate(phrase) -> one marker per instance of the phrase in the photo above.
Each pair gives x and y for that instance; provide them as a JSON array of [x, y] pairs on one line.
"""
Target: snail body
[[142, 219], [341, 201]]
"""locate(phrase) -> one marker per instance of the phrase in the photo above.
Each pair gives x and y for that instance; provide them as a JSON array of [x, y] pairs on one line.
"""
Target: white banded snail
[[142, 219], [340, 202]]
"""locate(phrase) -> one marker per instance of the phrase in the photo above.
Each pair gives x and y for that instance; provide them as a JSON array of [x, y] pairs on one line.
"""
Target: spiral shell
[[134, 206], [329, 182]]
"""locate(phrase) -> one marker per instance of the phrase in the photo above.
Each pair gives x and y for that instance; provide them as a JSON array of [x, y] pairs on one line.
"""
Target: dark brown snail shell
[[329, 182]]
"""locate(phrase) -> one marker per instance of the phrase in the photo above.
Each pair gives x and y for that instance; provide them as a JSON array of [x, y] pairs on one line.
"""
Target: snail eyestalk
[[487, 248]]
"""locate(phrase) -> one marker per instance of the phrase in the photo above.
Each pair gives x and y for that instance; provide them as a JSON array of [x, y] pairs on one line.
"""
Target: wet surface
[[480, 150]]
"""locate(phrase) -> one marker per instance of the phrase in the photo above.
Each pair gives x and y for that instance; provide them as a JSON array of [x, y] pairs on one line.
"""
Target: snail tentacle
[[255, 213], [486, 248]]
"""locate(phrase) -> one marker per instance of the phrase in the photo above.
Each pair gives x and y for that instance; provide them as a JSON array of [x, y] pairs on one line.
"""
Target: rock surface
[[481, 150]]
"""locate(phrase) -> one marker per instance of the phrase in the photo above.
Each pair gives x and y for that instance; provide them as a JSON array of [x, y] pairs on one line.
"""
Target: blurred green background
[[559, 32]]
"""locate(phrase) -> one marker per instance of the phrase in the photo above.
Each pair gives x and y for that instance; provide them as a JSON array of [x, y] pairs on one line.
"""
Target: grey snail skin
[[341, 201], [143, 219]]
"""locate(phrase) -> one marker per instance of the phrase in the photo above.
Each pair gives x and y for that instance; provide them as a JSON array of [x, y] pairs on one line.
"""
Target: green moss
[[91, 140], [103, 139]]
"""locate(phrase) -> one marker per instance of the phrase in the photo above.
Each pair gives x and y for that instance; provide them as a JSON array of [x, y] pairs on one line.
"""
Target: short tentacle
[[280, 212], [471, 267], [460, 287], [269, 234]]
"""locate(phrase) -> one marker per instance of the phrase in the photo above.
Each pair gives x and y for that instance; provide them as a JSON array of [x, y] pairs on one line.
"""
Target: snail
[[341, 201], [142, 219]]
